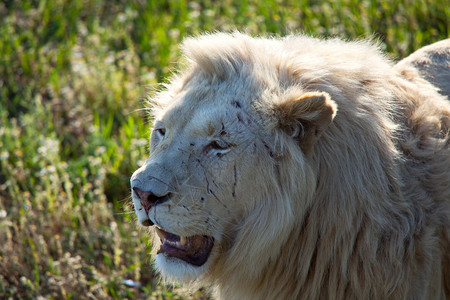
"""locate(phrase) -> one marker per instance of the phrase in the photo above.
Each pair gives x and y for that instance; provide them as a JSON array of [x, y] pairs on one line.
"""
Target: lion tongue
[[194, 249]]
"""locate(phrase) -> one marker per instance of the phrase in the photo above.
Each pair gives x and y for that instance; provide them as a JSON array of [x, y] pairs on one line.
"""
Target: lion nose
[[148, 199]]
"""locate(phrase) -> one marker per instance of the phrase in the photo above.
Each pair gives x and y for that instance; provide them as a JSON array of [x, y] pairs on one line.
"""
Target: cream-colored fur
[[320, 169], [433, 64]]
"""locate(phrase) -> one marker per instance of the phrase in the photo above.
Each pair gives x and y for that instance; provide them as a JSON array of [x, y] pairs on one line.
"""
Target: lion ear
[[305, 117]]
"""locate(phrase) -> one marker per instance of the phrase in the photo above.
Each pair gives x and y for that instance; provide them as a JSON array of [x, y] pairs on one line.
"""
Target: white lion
[[299, 168]]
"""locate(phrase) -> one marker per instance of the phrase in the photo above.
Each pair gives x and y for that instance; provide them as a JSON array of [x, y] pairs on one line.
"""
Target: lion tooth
[[160, 233]]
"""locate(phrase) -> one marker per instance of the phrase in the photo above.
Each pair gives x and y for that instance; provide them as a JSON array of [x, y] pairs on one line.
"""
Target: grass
[[72, 76]]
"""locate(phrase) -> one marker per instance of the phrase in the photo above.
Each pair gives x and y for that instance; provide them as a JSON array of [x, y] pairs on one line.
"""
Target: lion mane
[[342, 190]]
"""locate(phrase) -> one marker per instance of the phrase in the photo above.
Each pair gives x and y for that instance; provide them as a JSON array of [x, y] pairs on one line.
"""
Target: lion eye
[[219, 147], [160, 131], [158, 134]]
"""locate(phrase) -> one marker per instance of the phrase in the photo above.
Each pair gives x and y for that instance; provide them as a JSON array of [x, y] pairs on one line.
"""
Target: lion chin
[[301, 168], [177, 270]]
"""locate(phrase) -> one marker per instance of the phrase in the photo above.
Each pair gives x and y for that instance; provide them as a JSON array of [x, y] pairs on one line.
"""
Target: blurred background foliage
[[72, 129]]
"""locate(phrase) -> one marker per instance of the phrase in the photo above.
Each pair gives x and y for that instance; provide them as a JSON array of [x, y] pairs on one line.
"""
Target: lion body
[[333, 181], [433, 63]]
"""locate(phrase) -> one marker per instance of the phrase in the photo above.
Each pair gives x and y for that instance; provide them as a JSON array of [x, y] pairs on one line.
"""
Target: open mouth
[[194, 250]]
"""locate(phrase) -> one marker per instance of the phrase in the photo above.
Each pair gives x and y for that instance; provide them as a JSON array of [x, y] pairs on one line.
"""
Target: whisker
[[124, 213]]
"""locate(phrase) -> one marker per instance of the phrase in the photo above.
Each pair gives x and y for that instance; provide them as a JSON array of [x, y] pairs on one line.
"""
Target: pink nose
[[148, 199], [145, 197]]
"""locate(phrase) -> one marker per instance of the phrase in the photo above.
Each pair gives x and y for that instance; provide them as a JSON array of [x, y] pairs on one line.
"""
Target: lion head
[[266, 157]]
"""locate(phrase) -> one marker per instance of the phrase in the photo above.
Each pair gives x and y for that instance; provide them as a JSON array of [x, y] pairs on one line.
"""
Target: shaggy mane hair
[[364, 213]]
